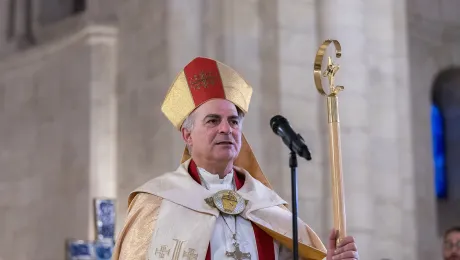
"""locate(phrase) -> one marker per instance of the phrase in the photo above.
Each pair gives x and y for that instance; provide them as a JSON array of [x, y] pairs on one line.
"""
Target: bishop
[[217, 204]]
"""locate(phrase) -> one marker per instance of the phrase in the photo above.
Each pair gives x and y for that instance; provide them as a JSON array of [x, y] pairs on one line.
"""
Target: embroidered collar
[[195, 174]]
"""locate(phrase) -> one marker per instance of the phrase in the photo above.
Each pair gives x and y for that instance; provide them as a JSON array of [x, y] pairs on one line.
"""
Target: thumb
[[333, 239]]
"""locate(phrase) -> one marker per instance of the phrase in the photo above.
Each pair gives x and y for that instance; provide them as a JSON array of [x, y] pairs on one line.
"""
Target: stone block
[[357, 149], [308, 117], [354, 111], [298, 82], [297, 16], [389, 215], [311, 180], [408, 196], [245, 18], [295, 48], [409, 231], [359, 205], [387, 185]]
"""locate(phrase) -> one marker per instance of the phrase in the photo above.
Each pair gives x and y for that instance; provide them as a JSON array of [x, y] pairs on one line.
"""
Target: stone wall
[[47, 134], [434, 44], [408, 239], [44, 133]]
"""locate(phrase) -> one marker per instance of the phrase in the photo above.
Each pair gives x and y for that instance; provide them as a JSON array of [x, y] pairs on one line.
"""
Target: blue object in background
[[80, 250], [104, 249], [105, 219], [437, 130]]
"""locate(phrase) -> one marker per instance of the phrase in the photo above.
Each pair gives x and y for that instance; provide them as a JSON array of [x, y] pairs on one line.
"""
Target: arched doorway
[[445, 121]]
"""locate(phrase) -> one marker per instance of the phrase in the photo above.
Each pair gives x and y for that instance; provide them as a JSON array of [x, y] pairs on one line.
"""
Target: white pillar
[[103, 118], [409, 228], [384, 120], [241, 30], [184, 42], [302, 105], [344, 21]]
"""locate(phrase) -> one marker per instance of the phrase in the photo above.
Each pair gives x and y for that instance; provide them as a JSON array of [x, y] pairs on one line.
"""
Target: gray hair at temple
[[189, 122]]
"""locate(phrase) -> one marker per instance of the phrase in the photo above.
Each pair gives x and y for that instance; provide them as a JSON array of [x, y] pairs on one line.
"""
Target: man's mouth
[[224, 143]]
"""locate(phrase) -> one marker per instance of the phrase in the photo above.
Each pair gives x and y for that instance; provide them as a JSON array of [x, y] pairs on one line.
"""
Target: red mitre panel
[[204, 81]]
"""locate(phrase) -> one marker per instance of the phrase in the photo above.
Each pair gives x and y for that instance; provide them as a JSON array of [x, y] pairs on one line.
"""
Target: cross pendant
[[237, 254]]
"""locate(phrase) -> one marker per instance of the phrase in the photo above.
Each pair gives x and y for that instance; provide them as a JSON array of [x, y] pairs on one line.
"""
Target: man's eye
[[212, 121], [235, 122]]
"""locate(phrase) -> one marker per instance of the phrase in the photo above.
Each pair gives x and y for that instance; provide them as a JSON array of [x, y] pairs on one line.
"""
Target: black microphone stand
[[295, 235], [294, 144]]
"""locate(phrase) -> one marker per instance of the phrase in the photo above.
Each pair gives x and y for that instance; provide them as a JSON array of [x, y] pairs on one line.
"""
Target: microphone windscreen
[[276, 121]]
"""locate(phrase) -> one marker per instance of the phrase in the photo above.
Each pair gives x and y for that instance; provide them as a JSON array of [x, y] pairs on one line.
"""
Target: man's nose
[[225, 127]]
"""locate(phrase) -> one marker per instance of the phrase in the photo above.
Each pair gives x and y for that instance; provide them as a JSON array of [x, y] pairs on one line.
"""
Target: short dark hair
[[451, 230]]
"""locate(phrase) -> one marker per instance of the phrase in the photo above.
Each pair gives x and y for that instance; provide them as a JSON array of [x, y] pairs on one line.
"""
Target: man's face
[[451, 248], [216, 132]]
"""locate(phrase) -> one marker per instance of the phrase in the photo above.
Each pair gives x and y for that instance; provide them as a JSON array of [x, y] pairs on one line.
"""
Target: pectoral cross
[[237, 254]]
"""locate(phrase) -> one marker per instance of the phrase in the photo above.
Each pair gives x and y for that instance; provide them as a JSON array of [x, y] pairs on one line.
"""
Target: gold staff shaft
[[335, 156]]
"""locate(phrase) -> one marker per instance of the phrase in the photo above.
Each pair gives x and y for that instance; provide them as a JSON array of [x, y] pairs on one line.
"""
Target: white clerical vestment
[[221, 239], [168, 218]]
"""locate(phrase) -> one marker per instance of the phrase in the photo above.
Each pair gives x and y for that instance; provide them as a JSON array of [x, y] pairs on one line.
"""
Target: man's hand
[[346, 250]]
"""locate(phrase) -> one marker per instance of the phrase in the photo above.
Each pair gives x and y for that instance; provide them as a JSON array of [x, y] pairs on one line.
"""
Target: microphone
[[294, 141]]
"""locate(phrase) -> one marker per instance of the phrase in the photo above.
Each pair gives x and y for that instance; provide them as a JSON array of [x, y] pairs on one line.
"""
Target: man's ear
[[187, 136]]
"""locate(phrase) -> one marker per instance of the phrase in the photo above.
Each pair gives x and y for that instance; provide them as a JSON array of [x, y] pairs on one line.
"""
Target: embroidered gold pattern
[[177, 249], [203, 80], [164, 251], [191, 254]]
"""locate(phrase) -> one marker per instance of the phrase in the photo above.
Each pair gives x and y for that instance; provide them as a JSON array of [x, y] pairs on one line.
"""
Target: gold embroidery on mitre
[[178, 103], [203, 80]]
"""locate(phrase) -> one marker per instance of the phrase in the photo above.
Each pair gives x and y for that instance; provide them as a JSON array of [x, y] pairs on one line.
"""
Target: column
[[344, 21], [241, 27], [14, 21], [103, 118], [269, 44], [302, 105], [384, 122], [213, 30], [184, 37], [409, 230]]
